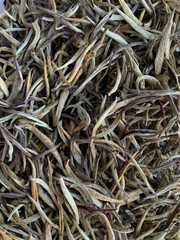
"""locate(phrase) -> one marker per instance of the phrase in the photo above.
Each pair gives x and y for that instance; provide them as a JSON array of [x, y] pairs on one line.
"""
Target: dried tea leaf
[[42, 214], [163, 50], [89, 119], [70, 199], [111, 235], [4, 87]]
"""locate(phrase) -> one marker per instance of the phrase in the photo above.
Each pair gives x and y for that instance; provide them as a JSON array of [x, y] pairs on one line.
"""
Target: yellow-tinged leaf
[[34, 188], [80, 60], [111, 235], [128, 12], [102, 197], [5, 236], [61, 218], [12, 175]]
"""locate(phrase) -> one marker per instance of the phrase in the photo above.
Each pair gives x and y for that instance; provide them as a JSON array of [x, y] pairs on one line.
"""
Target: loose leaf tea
[[89, 120]]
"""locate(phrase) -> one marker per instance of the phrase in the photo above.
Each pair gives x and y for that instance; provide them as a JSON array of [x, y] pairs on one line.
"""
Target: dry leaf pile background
[[89, 120]]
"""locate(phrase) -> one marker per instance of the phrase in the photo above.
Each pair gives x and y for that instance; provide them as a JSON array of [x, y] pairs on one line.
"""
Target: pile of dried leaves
[[89, 119]]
